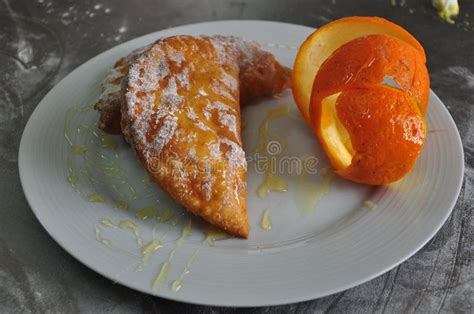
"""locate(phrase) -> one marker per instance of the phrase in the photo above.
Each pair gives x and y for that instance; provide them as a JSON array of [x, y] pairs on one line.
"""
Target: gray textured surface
[[41, 41]]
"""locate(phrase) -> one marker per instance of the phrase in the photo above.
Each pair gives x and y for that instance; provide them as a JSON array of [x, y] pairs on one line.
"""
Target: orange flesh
[[337, 142]]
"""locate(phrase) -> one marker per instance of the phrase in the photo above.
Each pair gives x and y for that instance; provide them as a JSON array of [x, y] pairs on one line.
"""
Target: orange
[[362, 84], [353, 110], [324, 41], [369, 60], [380, 128]]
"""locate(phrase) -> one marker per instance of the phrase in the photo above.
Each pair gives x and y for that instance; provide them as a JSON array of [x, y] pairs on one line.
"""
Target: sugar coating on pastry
[[109, 102], [177, 102], [259, 74], [192, 152]]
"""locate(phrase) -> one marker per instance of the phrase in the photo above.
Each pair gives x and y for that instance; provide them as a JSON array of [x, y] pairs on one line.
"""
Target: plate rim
[[176, 297]]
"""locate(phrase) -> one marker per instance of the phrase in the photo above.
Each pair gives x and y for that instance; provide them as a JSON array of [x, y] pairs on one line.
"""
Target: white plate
[[306, 254]]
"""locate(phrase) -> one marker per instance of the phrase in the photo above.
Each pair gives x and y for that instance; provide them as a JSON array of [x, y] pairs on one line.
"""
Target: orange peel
[[371, 130], [386, 131], [368, 60], [325, 40]]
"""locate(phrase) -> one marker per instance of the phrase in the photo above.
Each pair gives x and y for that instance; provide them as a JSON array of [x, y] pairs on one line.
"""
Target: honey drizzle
[[274, 183], [166, 266], [271, 181], [213, 234], [266, 223], [308, 194], [178, 283], [94, 172]]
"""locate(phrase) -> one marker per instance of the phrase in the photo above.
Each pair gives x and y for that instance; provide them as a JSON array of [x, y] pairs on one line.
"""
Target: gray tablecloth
[[36, 275]]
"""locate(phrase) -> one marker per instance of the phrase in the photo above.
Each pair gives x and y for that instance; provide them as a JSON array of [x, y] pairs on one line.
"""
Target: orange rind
[[370, 60], [362, 85], [379, 131], [324, 41]]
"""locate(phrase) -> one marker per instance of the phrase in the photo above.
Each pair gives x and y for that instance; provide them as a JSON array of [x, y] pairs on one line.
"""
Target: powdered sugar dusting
[[176, 56], [180, 112], [189, 137], [235, 154], [207, 114], [228, 121], [192, 115], [203, 127], [226, 116], [170, 123], [230, 46], [202, 92], [170, 99], [219, 88], [220, 43], [144, 79], [183, 79], [217, 105], [214, 150], [169, 104], [111, 85], [192, 154], [207, 186], [229, 81], [171, 112]]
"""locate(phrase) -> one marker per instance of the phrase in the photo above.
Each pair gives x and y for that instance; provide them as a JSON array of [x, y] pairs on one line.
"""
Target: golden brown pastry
[[260, 75], [109, 102], [180, 111]]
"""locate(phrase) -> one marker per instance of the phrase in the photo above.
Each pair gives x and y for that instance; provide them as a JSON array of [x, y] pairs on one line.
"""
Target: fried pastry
[[109, 101], [181, 113], [259, 75]]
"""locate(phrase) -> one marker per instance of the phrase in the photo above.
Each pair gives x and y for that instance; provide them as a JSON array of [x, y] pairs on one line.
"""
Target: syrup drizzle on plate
[[93, 155]]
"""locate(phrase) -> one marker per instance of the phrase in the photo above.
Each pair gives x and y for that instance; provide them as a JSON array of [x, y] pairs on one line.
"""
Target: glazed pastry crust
[[110, 101], [260, 75], [180, 111]]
